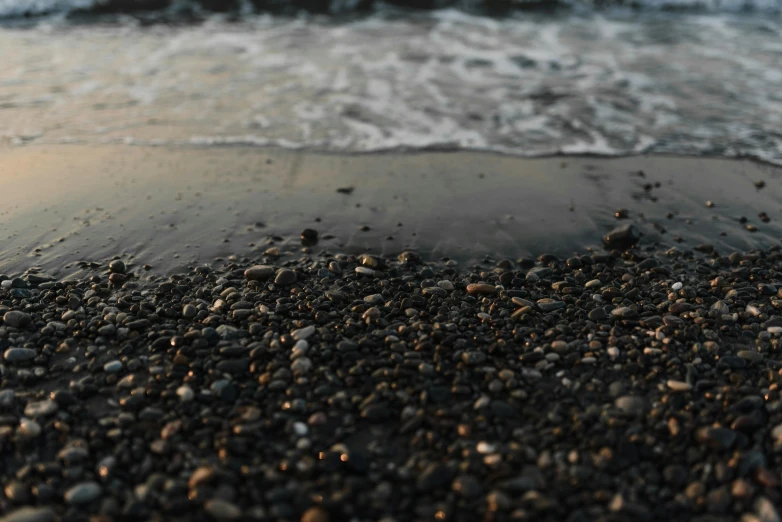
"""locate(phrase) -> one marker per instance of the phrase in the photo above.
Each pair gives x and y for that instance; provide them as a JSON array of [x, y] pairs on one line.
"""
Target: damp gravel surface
[[635, 385]]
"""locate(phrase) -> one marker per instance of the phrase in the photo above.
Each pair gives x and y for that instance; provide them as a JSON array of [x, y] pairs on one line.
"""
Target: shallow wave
[[530, 85], [27, 8]]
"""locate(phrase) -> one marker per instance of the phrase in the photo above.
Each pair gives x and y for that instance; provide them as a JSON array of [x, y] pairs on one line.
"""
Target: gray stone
[[549, 305], [17, 319], [117, 267], [285, 277], [189, 311], [631, 405], [622, 237], [17, 355], [30, 514], [112, 367], [222, 510], [259, 273], [303, 333], [83, 493]]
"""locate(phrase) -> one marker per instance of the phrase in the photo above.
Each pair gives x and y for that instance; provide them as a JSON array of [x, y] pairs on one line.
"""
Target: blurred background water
[[529, 78]]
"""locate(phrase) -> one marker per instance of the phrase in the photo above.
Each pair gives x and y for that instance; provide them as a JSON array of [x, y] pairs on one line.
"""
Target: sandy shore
[[174, 207]]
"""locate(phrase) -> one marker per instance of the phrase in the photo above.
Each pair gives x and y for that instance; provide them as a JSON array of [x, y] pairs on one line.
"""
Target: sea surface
[[530, 79]]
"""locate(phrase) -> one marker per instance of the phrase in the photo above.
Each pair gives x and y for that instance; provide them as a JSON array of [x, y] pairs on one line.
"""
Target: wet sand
[[176, 207]]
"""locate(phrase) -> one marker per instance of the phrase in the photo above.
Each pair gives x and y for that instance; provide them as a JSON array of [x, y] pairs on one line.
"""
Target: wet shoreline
[[175, 207]]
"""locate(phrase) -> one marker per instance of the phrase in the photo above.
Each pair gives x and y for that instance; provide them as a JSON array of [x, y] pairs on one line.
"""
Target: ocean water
[[676, 77]]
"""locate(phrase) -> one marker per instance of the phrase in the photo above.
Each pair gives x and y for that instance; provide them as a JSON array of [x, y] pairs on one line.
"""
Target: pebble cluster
[[635, 385]]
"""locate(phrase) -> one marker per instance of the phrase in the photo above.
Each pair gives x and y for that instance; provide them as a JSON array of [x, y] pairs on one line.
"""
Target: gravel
[[630, 385]]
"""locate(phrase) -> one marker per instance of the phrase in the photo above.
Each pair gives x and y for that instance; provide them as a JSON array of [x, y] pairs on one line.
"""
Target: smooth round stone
[[259, 273], [445, 285], [285, 277], [472, 358], [41, 408], [597, 314], [117, 266], [17, 355], [518, 301], [316, 514], [7, 398], [30, 514], [751, 356], [301, 365], [189, 311], [303, 333], [549, 305], [721, 307], [631, 405], [374, 299], [300, 429], [29, 428], [83, 493], [365, 271], [774, 330], [594, 283], [222, 510], [481, 289], [112, 367], [17, 319], [677, 286], [185, 393], [107, 330], [678, 386]]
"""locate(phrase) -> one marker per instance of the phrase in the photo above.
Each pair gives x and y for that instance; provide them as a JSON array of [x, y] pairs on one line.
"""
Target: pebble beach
[[635, 384], [390, 261]]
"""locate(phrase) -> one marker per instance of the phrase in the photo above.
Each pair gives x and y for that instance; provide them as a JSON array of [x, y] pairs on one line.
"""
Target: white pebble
[[588, 360], [676, 286], [613, 352], [185, 393], [483, 316], [775, 329], [597, 298], [6, 284], [300, 429], [753, 310], [365, 271], [485, 448]]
